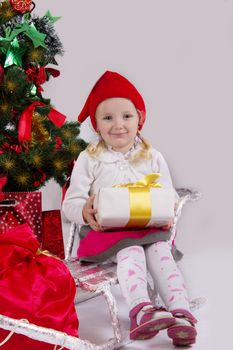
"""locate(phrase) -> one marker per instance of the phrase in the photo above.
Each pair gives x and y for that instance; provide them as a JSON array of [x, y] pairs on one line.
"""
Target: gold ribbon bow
[[47, 253], [140, 199]]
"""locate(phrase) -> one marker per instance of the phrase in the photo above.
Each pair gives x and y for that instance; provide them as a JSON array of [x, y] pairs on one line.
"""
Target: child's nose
[[118, 124]]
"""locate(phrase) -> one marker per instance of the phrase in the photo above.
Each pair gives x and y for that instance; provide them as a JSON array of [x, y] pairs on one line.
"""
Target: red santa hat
[[109, 85]]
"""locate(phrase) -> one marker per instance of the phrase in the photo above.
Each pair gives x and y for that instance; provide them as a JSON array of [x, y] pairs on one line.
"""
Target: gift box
[[17, 208], [134, 207], [52, 237]]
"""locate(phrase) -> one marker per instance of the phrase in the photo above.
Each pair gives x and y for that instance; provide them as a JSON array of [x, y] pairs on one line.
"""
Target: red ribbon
[[3, 181], [15, 148], [54, 72], [25, 121]]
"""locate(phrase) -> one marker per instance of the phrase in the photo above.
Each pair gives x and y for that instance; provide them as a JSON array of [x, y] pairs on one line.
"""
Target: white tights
[[132, 264]]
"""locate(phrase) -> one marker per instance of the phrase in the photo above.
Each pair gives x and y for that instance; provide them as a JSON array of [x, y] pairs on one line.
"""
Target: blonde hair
[[144, 153], [94, 149]]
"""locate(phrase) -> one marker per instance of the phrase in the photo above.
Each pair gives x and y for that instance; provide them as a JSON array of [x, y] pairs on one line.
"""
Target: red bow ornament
[[25, 120], [37, 76]]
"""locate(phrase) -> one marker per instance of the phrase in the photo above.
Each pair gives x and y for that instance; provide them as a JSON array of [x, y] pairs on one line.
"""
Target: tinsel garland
[[6, 11], [40, 134], [53, 44], [43, 25]]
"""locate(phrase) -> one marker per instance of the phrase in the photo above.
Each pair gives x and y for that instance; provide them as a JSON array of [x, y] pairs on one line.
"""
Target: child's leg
[[171, 287], [132, 276], [167, 276]]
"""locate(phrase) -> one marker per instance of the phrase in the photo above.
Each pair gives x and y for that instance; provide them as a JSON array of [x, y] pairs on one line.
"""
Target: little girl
[[121, 155]]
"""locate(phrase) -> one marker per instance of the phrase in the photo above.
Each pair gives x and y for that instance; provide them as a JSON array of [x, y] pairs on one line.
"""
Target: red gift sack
[[17, 208], [34, 286]]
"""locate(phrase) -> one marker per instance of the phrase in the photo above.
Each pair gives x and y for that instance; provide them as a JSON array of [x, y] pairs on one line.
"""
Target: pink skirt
[[98, 246]]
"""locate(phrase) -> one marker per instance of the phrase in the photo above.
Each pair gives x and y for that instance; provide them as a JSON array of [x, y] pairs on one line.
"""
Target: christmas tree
[[36, 143]]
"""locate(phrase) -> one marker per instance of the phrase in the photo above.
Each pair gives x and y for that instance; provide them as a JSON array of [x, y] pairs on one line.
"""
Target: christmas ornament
[[36, 56], [29, 30], [7, 163], [14, 54], [58, 143], [52, 19], [6, 12], [5, 109], [37, 75], [21, 6]]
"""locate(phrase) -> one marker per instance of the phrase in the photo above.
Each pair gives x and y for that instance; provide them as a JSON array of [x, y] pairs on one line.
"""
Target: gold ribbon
[[47, 253], [140, 199]]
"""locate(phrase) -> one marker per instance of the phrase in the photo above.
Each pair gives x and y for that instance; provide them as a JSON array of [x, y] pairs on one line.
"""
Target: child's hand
[[88, 214], [168, 226]]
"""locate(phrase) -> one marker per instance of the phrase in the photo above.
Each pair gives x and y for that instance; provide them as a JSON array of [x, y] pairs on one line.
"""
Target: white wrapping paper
[[113, 207]]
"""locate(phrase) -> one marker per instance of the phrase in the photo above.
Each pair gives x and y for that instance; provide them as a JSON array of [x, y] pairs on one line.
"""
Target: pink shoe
[[183, 332], [151, 322]]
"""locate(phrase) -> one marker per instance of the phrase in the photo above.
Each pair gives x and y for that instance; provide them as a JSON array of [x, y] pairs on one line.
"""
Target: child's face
[[117, 122]]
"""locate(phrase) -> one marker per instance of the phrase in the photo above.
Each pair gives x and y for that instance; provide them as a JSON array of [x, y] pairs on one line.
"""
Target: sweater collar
[[108, 155]]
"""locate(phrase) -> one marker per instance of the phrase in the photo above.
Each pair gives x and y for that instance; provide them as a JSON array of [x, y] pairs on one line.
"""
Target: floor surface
[[207, 268]]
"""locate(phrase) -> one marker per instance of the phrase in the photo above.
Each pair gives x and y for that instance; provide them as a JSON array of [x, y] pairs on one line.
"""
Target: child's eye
[[107, 117], [127, 116]]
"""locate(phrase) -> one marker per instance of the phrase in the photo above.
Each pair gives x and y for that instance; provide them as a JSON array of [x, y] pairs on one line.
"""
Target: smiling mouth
[[123, 133]]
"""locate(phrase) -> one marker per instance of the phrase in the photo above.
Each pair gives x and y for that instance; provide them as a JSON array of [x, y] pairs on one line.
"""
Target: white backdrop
[[179, 54]]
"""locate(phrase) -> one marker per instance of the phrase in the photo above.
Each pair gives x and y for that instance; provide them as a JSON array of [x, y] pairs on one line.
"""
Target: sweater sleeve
[[78, 191], [160, 166]]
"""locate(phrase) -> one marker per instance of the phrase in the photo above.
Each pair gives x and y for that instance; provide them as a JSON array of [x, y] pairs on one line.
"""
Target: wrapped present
[[34, 286], [135, 205], [17, 208], [52, 238]]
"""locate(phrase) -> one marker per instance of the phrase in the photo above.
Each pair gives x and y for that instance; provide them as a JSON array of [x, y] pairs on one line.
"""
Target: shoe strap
[[137, 308], [182, 313], [153, 309]]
